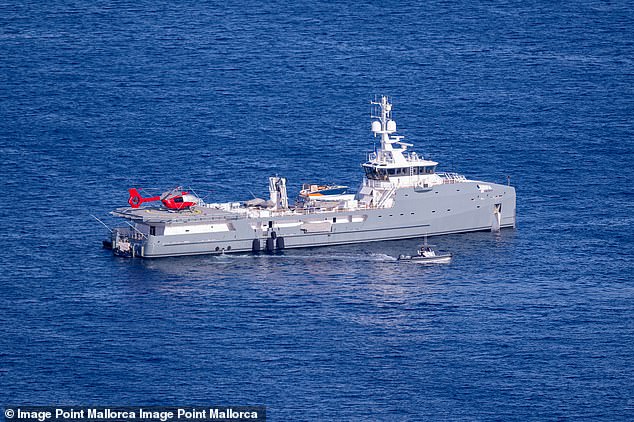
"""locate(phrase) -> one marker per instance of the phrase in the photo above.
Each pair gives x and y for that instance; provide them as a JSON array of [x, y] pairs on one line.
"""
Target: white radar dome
[[376, 126], [391, 126]]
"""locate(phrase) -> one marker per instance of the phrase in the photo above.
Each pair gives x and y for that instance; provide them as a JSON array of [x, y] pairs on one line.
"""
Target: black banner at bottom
[[134, 414]]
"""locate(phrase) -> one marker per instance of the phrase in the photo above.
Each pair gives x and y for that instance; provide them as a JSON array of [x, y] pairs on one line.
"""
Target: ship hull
[[445, 209]]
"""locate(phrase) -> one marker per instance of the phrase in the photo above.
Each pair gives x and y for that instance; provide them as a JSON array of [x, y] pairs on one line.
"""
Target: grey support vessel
[[401, 196]]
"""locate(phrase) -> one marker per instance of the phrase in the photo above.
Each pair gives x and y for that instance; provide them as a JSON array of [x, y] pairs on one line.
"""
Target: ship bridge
[[392, 165]]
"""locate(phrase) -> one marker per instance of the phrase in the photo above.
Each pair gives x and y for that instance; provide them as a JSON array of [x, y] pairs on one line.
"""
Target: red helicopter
[[175, 199]]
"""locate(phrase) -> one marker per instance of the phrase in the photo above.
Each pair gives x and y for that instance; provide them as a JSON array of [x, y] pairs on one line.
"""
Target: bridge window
[[400, 171], [375, 173]]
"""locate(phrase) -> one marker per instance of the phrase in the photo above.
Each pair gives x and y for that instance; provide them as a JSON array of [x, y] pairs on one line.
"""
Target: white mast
[[385, 126]]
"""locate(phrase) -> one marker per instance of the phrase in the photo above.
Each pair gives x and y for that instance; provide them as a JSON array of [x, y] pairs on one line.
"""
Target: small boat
[[321, 191], [124, 248], [429, 258], [426, 255]]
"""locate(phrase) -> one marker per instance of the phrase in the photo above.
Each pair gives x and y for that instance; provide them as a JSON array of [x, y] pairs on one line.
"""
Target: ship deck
[[161, 215], [203, 214]]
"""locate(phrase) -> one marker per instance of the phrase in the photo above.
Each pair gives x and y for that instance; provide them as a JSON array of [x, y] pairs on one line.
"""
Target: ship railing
[[373, 183], [413, 157], [452, 177], [386, 158], [132, 234], [380, 158], [129, 233], [203, 219], [386, 197]]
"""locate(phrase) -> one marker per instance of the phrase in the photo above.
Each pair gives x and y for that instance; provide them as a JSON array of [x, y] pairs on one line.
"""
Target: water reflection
[[362, 285]]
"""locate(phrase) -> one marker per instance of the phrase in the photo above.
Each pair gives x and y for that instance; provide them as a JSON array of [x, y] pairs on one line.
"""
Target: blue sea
[[535, 323]]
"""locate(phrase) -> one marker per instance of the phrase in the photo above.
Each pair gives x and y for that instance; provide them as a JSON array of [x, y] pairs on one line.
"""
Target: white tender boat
[[426, 255]]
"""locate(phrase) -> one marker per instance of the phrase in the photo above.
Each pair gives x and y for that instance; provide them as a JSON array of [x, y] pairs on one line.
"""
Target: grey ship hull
[[444, 209]]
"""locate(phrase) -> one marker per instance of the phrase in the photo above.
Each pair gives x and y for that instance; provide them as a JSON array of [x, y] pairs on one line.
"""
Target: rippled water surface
[[533, 323]]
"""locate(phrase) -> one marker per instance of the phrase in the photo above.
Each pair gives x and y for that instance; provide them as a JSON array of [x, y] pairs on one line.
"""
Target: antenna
[[104, 224]]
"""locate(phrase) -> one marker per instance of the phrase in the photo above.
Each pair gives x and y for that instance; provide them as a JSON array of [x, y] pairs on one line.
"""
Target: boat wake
[[369, 257]]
